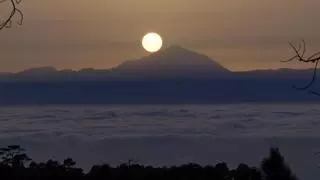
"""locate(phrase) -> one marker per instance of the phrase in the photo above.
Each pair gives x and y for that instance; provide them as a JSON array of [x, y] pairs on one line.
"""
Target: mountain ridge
[[172, 62], [166, 85]]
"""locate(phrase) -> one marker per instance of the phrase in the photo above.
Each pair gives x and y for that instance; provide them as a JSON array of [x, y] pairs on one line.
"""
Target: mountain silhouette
[[174, 61], [174, 75]]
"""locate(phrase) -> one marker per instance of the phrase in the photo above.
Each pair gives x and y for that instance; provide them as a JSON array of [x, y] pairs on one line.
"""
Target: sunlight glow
[[152, 42]]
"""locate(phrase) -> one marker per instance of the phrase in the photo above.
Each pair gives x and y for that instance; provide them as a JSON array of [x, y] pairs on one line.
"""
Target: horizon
[[150, 55]]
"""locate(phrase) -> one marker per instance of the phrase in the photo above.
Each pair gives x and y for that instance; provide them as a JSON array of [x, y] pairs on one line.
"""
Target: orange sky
[[239, 34]]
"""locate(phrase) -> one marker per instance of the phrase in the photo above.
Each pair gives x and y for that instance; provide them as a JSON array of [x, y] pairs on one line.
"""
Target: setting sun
[[152, 42]]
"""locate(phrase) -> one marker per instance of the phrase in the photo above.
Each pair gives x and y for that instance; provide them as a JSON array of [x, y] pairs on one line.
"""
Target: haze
[[239, 34]]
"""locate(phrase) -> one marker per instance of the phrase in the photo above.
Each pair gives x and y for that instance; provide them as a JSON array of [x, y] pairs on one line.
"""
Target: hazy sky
[[239, 34]]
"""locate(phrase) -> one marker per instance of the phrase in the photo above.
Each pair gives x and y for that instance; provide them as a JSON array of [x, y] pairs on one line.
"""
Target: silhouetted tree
[[274, 167], [221, 171], [99, 172], [14, 156], [69, 163], [15, 12], [244, 172]]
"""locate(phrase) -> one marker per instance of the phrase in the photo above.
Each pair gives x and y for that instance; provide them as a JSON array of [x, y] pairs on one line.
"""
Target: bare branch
[[14, 12], [314, 77], [314, 93], [297, 51], [300, 57], [314, 55]]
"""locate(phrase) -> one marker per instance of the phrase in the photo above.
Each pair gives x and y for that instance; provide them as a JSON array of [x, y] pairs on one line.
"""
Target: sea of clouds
[[167, 134]]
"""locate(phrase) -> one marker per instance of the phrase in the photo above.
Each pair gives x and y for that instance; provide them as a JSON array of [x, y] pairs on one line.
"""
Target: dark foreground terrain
[[16, 164]]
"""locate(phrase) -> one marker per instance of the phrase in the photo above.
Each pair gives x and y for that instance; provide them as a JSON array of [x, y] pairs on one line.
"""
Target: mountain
[[174, 75], [294, 74], [174, 61]]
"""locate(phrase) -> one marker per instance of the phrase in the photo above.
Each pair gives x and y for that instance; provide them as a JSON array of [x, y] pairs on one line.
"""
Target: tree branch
[[300, 52], [15, 11]]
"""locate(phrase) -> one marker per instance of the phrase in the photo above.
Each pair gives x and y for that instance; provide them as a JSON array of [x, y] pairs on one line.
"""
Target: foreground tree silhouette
[[274, 167], [14, 159], [69, 163], [244, 172], [14, 156]]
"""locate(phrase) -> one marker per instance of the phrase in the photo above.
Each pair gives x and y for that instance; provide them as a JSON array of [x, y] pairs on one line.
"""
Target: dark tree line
[[16, 165]]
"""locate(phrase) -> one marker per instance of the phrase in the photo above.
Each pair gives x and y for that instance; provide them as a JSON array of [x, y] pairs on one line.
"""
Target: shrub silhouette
[[274, 167]]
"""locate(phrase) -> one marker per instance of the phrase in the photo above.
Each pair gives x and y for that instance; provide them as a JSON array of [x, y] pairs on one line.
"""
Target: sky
[[239, 34]]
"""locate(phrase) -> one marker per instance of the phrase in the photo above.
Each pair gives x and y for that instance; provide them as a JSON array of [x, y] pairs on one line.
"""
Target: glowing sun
[[152, 42]]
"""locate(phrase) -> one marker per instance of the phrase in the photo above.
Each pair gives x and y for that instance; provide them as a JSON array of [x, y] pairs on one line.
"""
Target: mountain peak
[[174, 49], [174, 60]]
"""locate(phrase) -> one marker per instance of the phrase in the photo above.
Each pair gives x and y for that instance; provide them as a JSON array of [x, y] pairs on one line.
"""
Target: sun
[[152, 42]]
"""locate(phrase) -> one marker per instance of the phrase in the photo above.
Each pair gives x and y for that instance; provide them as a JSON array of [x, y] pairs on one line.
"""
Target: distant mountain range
[[171, 63], [171, 76]]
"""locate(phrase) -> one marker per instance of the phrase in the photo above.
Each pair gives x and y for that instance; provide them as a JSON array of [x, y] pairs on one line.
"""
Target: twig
[[300, 57], [15, 11]]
